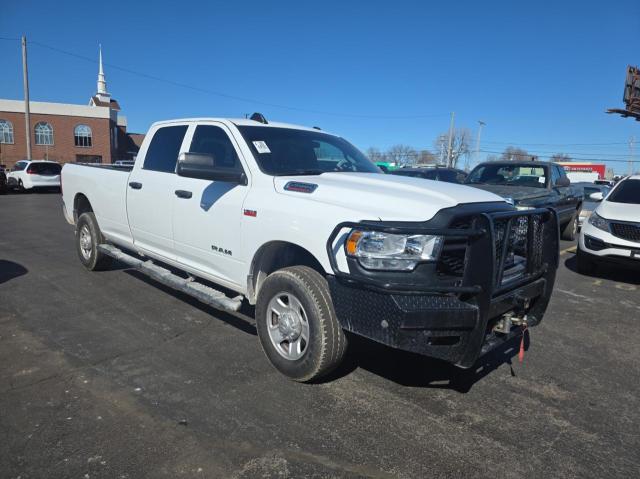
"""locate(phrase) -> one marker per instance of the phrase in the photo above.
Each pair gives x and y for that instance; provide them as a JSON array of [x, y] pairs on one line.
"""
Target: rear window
[[163, 151], [627, 192], [45, 168]]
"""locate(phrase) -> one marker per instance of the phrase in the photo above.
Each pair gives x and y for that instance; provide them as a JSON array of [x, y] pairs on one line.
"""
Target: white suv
[[612, 232], [27, 175]]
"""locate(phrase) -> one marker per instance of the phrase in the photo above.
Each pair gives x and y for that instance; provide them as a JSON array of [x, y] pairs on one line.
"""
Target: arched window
[[6, 131], [82, 136], [44, 133]]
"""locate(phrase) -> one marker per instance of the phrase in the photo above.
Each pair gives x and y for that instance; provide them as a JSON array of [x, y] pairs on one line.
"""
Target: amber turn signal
[[352, 242]]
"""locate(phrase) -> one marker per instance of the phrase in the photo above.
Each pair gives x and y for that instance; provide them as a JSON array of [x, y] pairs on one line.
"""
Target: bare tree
[[460, 140], [375, 155], [492, 158], [402, 155], [512, 153], [559, 157], [425, 157]]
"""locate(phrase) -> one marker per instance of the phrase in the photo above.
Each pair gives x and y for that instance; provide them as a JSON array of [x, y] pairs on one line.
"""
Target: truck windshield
[[627, 192], [287, 151], [509, 175]]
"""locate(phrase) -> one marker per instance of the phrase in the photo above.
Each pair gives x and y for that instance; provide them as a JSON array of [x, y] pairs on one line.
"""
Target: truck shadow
[[240, 320], [10, 270], [414, 370], [618, 274]]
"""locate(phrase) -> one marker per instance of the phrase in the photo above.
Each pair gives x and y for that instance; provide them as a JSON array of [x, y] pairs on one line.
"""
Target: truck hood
[[385, 197], [519, 193], [619, 211]]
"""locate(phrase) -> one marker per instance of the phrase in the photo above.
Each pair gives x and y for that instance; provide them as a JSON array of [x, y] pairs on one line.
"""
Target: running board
[[199, 291]]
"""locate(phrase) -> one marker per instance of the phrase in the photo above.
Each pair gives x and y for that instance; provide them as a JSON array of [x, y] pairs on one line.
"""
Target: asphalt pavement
[[111, 375]]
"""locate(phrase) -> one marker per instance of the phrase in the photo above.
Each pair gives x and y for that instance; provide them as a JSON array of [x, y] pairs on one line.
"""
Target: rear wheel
[[88, 237], [297, 324], [585, 262], [570, 230]]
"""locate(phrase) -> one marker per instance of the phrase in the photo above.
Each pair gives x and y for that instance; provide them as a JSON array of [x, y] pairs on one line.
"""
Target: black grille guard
[[486, 251]]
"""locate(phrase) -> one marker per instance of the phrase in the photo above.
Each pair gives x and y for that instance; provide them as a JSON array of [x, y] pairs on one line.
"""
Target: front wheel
[[570, 230], [88, 237], [297, 325]]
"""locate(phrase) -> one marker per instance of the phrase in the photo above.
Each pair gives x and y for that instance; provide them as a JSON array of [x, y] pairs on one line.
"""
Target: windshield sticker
[[540, 179], [261, 147]]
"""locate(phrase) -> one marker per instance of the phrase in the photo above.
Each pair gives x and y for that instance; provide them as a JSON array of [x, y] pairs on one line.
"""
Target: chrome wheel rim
[[86, 245], [288, 326]]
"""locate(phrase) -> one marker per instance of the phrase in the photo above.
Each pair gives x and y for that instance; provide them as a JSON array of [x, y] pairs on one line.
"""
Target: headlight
[[385, 251], [599, 222], [524, 208]]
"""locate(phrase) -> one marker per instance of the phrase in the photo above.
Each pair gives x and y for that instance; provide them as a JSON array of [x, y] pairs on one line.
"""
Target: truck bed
[[106, 186]]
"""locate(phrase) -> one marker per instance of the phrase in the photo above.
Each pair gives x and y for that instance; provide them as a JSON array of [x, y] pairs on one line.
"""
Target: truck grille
[[517, 247], [626, 231]]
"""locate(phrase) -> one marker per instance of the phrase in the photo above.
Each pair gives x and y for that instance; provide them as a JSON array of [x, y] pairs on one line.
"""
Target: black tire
[[326, 344], [585, 262], [90, 257], [570, 230], [21, 187]]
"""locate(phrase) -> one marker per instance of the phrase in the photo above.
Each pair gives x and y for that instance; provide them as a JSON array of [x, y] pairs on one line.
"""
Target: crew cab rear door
[[150, 191], [207, 214]]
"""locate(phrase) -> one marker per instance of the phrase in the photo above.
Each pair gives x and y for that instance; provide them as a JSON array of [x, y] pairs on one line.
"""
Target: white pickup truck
[[302, 225]]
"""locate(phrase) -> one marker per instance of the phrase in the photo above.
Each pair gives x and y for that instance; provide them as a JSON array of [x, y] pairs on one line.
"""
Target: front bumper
[[453, 321], [603, 245]]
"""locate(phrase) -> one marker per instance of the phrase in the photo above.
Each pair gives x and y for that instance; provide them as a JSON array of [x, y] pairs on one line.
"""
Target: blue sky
[[540, 74]]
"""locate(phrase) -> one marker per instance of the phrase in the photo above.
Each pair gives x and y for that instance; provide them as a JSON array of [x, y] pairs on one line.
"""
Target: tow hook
[[504, 324]]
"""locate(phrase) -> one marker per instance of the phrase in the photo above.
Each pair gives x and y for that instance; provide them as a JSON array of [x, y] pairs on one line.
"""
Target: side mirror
[[597, 196], [202, 166], [562, 182]]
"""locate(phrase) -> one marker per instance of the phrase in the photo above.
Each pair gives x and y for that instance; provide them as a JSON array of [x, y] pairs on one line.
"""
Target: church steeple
[[102, 93]]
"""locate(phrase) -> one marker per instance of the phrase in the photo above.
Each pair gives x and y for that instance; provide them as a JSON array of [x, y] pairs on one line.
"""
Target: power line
[[228, 96], [555, 144], [529, 154]]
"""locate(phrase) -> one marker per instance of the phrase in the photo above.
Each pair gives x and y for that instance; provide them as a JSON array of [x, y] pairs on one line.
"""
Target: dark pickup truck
[[532, 184]]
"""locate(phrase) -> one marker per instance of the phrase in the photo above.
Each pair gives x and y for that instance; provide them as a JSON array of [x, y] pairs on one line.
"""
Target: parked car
[[612, 232], [450, 175], [3, 182], [589, 204], [26, 175], [532, 184], [302, 225], [126, 163]]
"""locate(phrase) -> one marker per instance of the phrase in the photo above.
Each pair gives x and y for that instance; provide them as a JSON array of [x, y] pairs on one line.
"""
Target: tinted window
[[451, 176], [19, 166], [214, 141], [627, 191], [508, 175], [286, 151], [555, 175], [162, 154], [46, 169]]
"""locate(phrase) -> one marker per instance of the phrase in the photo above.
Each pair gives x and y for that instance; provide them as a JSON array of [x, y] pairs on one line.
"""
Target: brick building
[[93, 133]]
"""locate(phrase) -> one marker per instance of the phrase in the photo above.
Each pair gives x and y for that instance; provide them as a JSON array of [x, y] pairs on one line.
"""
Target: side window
[[563, 173], [19, 166], [215, 142], [162, 154], [555, 175]]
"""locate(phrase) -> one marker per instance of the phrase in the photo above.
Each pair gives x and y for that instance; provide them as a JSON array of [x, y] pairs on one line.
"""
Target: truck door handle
[[135, 185], [183, 194]]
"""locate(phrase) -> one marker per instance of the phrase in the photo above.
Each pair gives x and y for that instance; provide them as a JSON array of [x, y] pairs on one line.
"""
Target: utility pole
[[453, 115], [27, 111], [632, 144], [477, 152]]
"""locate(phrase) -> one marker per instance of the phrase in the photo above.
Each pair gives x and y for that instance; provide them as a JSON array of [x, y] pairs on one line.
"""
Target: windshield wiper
[[300, 172]]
